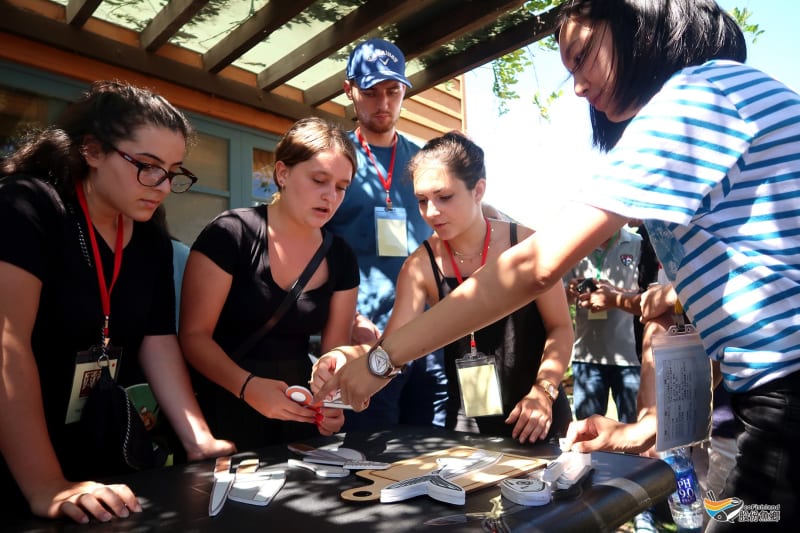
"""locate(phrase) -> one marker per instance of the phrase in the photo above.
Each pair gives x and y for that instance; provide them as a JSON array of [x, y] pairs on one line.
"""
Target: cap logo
[[383, 56], [374, 61]]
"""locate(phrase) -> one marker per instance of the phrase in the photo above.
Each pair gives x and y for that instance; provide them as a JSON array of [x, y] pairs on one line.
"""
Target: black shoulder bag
[[287, 302]]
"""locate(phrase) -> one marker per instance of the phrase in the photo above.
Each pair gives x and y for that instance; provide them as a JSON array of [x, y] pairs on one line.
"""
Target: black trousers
[[767, 472]]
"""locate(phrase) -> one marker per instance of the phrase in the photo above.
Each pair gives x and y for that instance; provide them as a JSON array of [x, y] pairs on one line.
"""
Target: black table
[[176, 498]]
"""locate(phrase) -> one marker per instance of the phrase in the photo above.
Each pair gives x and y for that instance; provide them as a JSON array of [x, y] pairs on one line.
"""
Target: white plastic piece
[[572, 461], [526, 491], [256, 488], [446, 491], [565, 482], [348, 464], [575, 468], [554, 469], [321, 470], [405, 489]]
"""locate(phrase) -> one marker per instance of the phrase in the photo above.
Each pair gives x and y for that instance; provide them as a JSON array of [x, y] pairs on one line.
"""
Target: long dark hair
[[653, 39], [110, 111]]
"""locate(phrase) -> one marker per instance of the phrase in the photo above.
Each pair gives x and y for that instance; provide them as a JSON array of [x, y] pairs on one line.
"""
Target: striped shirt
[[712, 162]]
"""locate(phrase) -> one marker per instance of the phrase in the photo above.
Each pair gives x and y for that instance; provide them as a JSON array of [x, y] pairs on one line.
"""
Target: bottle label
[[686, 488]]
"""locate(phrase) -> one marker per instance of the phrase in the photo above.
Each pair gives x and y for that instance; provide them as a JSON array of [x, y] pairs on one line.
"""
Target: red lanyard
[[105, 291], [387, 181], [460, 279]]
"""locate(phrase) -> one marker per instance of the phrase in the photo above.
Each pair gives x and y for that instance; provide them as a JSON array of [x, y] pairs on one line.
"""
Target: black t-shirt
[[47, 236], [236, 241]]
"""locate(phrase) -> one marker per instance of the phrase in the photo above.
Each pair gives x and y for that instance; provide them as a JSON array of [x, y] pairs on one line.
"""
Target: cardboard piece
[[509, 466]]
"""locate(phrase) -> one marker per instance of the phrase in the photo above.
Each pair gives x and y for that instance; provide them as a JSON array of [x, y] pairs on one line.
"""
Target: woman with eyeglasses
[[85, 281]]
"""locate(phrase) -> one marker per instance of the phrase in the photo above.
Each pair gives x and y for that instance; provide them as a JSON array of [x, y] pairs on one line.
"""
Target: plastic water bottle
[[685, 503]]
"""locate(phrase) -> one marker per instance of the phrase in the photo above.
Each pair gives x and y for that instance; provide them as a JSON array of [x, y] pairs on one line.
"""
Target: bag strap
[[287, 302]]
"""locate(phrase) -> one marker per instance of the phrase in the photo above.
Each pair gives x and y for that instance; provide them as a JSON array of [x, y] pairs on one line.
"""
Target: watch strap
[[549, 389]]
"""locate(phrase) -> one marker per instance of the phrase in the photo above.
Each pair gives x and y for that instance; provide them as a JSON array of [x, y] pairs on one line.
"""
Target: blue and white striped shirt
[[715, 157]]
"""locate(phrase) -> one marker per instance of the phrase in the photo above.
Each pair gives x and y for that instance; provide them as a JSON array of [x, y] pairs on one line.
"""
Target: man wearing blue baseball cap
[[374, 61], [380, 219]]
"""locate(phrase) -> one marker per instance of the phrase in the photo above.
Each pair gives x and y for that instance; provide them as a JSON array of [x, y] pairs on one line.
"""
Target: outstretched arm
[[410, 300], [520, 274]]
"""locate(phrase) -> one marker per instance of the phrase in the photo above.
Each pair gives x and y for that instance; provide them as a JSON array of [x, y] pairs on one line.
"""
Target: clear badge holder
[[683, 386], [479, 382]]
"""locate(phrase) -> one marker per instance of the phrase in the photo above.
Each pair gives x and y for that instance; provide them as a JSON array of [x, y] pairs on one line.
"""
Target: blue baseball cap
[[374, 61]]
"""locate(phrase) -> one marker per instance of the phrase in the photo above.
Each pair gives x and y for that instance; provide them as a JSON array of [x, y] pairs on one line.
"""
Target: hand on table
[[599, 433], [85, 500], [532, 417]]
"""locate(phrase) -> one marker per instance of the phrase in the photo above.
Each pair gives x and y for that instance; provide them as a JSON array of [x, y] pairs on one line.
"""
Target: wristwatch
[[549, 389], [380, 364]]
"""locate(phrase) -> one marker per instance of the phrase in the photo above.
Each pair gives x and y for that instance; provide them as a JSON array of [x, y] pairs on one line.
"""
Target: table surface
[[176, 498]]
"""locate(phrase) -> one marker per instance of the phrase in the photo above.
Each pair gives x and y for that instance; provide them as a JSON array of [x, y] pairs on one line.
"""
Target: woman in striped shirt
[[705, 150]]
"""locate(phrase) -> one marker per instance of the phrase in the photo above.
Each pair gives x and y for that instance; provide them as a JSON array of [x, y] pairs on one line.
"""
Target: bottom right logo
[[734, 510]]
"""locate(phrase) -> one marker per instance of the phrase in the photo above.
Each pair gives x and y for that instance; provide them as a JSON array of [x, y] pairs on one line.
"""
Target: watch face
[[378, 362]]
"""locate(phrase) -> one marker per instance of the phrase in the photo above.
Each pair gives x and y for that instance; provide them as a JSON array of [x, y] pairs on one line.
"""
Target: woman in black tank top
[[531, 346]]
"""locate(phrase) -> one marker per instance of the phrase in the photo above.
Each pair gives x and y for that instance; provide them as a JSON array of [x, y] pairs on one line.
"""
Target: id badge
[[88, 365], [683, 389], [390, 232], [479, 382], [598, 315]]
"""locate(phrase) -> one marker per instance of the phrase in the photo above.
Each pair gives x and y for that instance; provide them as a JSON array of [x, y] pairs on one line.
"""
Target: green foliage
[[506, 69], [741, 16], [506, 72]]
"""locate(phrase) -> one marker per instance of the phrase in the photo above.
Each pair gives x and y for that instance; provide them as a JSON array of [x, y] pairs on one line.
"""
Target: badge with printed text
[[683, 389], [88, 365]]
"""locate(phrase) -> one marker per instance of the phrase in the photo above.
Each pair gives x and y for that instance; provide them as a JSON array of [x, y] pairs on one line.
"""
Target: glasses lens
[[151, 176], [181, 183]]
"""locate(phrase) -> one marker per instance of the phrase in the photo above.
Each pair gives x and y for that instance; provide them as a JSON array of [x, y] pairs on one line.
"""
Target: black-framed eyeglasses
[[153, 175]]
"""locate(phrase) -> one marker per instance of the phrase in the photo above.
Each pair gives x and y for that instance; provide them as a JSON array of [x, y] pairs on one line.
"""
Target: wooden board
[[509, 465]]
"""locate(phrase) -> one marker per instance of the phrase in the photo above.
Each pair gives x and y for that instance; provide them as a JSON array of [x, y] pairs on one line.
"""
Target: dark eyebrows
[[161, 161]]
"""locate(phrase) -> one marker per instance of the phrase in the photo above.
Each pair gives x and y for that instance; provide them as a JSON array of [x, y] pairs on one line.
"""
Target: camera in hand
[[587, 285]]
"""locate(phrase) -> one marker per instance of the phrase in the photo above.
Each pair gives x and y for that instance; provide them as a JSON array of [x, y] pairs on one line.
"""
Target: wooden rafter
[[168, 22], [351, 27], [470, 16], [79, 11], [251, 32]]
